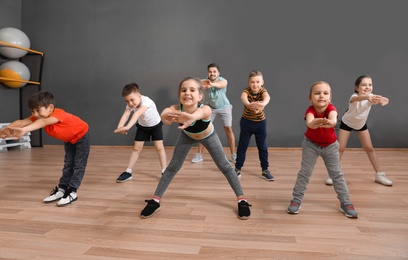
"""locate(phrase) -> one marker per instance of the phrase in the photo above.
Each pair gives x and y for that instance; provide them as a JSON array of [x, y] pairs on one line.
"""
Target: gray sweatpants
[[330, 155], [213, 145]]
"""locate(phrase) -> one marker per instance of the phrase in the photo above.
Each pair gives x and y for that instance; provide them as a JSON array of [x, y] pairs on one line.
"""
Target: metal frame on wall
[[25, 91]]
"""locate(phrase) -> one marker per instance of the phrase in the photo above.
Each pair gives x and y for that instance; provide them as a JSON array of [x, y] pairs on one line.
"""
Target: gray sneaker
[[197, 158], [294, 207], [234, 158], [348, 210], [267, 175]]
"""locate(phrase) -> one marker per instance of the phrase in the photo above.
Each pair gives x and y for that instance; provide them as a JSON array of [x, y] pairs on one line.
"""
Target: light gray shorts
[[225, 114]]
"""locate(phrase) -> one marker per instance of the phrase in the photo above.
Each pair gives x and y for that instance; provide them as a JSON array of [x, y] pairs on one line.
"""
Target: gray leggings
[[213, 145], [330, 155]]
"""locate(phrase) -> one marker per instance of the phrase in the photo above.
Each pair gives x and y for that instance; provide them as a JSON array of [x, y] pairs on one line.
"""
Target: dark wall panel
[[94, 47], [10, 16]]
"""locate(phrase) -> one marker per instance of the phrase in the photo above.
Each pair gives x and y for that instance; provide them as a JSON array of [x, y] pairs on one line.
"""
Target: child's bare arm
[[244, 99], [124, 118], [5, 133], [331, 121], [312, 122], [187, 119], [20, 122], [375, 99], [384, 101], [18, 132], [169, 115], [315, 123], [123, 129], [259, 106]]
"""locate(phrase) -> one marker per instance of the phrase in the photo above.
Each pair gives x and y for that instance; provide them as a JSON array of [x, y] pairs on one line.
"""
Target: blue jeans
[[213, 145], [75, 161], [249, 128], [330, 155]]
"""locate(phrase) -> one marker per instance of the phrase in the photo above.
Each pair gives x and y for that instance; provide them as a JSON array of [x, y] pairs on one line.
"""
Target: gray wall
[[94, 47]]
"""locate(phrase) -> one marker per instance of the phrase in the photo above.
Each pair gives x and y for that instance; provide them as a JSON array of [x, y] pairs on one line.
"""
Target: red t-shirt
[[321, 136], [69, 128]]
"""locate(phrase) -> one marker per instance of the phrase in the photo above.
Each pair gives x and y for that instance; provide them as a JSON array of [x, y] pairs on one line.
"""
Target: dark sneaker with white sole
[[267, 175], [151, 208], [125, 176], [243, 210]]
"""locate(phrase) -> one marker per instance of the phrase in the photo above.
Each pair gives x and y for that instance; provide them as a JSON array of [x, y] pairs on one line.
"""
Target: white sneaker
[[382, 179], [197, 158], [55, 194], [329, 181], [69, 197]]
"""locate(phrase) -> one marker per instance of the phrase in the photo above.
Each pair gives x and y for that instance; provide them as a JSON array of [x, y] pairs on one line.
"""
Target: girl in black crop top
[[194, 120], [198, 126]]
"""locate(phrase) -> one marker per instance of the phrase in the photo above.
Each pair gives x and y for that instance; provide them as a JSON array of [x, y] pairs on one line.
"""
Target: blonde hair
[[255, 73], [317, 83]]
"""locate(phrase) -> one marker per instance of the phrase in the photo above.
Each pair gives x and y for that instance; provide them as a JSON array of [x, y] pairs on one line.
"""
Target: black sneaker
[[151, 208], [243, 210], [125, 176]]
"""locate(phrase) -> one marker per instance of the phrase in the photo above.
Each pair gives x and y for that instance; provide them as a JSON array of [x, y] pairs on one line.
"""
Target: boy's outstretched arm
[[123, 119], [121, 127], [5, 131], [20, 122], [18, 131]]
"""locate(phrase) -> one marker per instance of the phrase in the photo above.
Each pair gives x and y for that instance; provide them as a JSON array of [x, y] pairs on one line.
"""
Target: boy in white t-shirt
[[148, 123]]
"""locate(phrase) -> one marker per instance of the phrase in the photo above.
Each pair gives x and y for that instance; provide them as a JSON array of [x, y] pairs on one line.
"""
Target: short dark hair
[[129, 89], [213, 65], [41, 99]]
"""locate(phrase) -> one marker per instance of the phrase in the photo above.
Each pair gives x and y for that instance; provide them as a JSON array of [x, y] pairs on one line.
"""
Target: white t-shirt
[[357, 114], [151, 116]]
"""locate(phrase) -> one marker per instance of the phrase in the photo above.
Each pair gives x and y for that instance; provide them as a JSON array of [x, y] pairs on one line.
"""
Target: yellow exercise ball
[[13, 74]]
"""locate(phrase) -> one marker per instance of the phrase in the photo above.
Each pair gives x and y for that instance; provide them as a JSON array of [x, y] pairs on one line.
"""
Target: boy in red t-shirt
[[63, 126], [320, 140]]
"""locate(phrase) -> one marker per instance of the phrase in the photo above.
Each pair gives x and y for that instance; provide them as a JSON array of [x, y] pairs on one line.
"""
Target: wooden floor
[[198, 212]]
